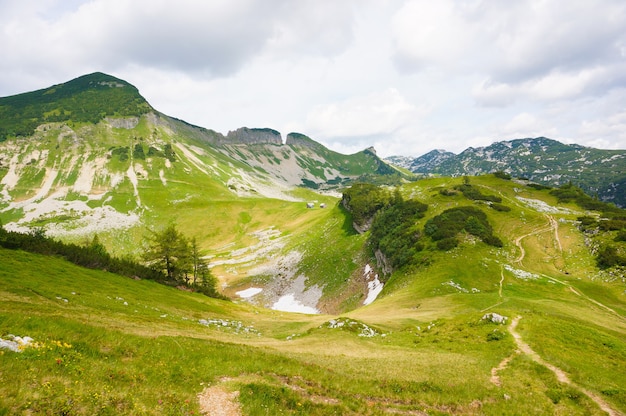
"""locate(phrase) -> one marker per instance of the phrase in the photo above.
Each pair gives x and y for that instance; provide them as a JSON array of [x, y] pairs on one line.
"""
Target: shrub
[[452, 221], [612, 225], [538, 186], [608, 257], [502, 175], [138, 152], [447, 244], [500, 207], [496, 335], [473, 193]]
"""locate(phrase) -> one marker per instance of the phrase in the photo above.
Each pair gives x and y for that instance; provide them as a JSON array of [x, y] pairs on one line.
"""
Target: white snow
[[248, 293], [288, 303], [374, 285]]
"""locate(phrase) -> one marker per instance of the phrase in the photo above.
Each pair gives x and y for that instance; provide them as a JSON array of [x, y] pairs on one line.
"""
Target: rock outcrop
[[245, 135]]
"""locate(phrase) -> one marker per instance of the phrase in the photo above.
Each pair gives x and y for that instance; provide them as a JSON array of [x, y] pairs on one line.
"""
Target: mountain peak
[[86, 99]]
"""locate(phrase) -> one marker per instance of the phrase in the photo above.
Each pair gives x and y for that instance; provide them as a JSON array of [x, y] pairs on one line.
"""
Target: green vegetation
[[89, 98], [395, 231], [104, 343], [606, 231], [169, 250], [395, 226], [502, 175], [444, 228], [473, 193], [119, 346], [570, 193], [179, 258], [363, 200]]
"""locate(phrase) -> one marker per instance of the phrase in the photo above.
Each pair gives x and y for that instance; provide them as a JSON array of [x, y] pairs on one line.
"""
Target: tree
[[169, 252], [199, 268]]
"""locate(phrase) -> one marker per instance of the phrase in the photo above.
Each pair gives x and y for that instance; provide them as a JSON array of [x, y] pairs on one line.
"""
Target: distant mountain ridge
[[598, 172]]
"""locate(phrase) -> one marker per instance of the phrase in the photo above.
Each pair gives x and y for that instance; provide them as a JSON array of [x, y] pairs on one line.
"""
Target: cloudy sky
[[404, 76]]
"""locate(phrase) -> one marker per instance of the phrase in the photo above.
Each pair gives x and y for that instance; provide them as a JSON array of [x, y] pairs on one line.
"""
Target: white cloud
[[597, 130], [510, 43], [429, 33], [463, 72], [375, 114]]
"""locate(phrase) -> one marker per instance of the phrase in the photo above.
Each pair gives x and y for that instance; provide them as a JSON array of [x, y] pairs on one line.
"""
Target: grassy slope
[[151, 356]]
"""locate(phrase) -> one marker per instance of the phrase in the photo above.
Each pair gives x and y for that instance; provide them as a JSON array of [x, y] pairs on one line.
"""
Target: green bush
[[570, 193], [447, 244], [612, 225], [455, 220], [500, 207], [473, 193], [538, 186], [608, 256], [138, 152], [502, 175]]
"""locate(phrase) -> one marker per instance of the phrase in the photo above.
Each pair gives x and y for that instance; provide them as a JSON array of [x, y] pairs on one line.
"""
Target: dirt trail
[[552, 226], [524, 348], [217, 401]]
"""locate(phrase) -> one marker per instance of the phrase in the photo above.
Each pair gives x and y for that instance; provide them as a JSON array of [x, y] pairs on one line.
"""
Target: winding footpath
[[553, 225], [524, 348]]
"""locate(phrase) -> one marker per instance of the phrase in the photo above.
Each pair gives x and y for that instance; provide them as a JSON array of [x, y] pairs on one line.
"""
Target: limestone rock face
[[245, 135]]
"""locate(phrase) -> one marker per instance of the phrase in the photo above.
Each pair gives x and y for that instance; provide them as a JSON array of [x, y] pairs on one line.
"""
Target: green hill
[[89, 98]]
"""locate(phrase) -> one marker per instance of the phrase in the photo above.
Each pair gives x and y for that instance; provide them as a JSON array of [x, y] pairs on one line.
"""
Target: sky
[[404, 76]]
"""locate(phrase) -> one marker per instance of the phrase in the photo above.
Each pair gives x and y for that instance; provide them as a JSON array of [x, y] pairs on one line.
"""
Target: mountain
[[423, 164], [89, 98], [598, 172], [462, 295], [91, 156]]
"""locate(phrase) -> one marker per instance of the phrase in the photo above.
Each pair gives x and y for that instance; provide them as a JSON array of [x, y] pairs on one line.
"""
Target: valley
[[477, 295]]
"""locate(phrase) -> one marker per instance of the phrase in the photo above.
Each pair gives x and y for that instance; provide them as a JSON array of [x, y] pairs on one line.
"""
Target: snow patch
[[374, 285], [288, 303], [248, 293]]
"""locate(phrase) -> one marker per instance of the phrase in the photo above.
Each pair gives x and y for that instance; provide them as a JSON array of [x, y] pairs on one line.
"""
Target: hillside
[[456, 296], [427, 345], [121, 171], [598, 172]]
